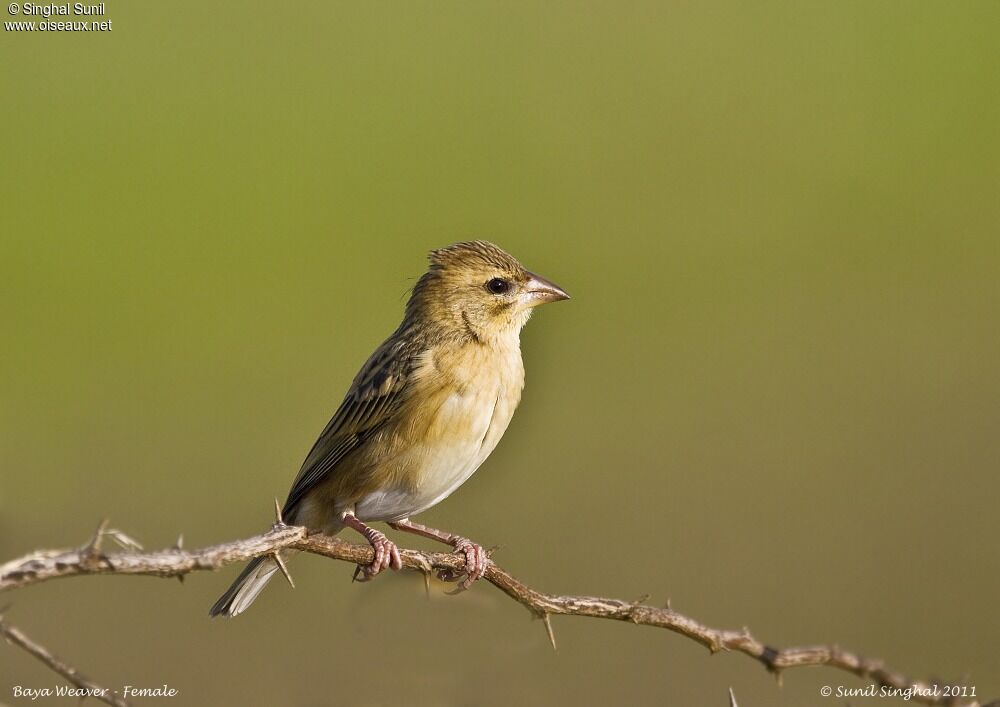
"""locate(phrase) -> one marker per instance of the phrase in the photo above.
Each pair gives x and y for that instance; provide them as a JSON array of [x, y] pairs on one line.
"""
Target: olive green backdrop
[[773, 399]]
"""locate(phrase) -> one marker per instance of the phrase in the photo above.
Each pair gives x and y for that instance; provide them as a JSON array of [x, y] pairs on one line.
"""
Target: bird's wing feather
[[373, 399]]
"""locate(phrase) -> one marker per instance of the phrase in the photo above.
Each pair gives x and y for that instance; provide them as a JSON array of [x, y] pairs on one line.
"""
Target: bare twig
[[177, 562], [83, 687]]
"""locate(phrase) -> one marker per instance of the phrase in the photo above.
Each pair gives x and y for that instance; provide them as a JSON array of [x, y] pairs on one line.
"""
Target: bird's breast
[[460, 407]]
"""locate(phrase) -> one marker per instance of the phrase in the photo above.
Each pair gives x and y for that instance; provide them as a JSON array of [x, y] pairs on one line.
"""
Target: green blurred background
[[774, 397]]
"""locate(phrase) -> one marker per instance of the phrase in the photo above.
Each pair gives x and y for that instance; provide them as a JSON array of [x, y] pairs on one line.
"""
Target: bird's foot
[[386, 556], [476, 561]]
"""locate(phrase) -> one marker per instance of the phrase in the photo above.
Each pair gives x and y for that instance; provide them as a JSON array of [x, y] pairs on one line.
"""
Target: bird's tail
[[247, 586]]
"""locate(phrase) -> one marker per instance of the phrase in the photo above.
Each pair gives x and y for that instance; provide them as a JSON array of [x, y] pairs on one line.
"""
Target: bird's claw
[[386, 557], [476, 561]]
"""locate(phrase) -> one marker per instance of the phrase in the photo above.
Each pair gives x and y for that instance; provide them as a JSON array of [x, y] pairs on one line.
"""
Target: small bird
[[424, 412]]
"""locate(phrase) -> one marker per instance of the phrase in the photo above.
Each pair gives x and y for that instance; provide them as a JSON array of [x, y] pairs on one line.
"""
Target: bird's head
[[476, 289]]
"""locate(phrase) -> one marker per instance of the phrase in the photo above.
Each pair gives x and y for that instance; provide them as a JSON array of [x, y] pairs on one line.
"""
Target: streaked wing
[[374, 397]]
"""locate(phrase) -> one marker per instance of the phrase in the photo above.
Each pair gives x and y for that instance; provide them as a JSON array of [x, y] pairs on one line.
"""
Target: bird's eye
[[498, 285]]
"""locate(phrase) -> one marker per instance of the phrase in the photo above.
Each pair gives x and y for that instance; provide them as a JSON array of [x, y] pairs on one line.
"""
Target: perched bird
[[423, 413]]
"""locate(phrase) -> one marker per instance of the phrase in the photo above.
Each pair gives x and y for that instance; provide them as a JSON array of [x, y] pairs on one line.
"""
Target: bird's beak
[[538, 290]]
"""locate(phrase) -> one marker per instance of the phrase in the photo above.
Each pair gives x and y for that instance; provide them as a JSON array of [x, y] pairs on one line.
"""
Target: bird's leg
[[386, 552], [475, 556]]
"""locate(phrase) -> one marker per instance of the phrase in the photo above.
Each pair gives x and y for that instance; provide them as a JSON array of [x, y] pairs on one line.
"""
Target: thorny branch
[[177, 562]]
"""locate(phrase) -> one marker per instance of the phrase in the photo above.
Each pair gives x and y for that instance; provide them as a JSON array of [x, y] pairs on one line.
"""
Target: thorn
[[667, 606], [93, 547], [779, 678], [425, 569], [732, 698], [357, 571], [124, 541], [179, 545], [180, 578], [548, 629], [284, 570], [277, 512]]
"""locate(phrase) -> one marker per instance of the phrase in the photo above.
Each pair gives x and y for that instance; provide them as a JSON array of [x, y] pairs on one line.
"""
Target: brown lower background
[[774, 397]]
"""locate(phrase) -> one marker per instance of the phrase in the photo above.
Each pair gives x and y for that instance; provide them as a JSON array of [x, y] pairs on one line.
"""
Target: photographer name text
[[76, 9]]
